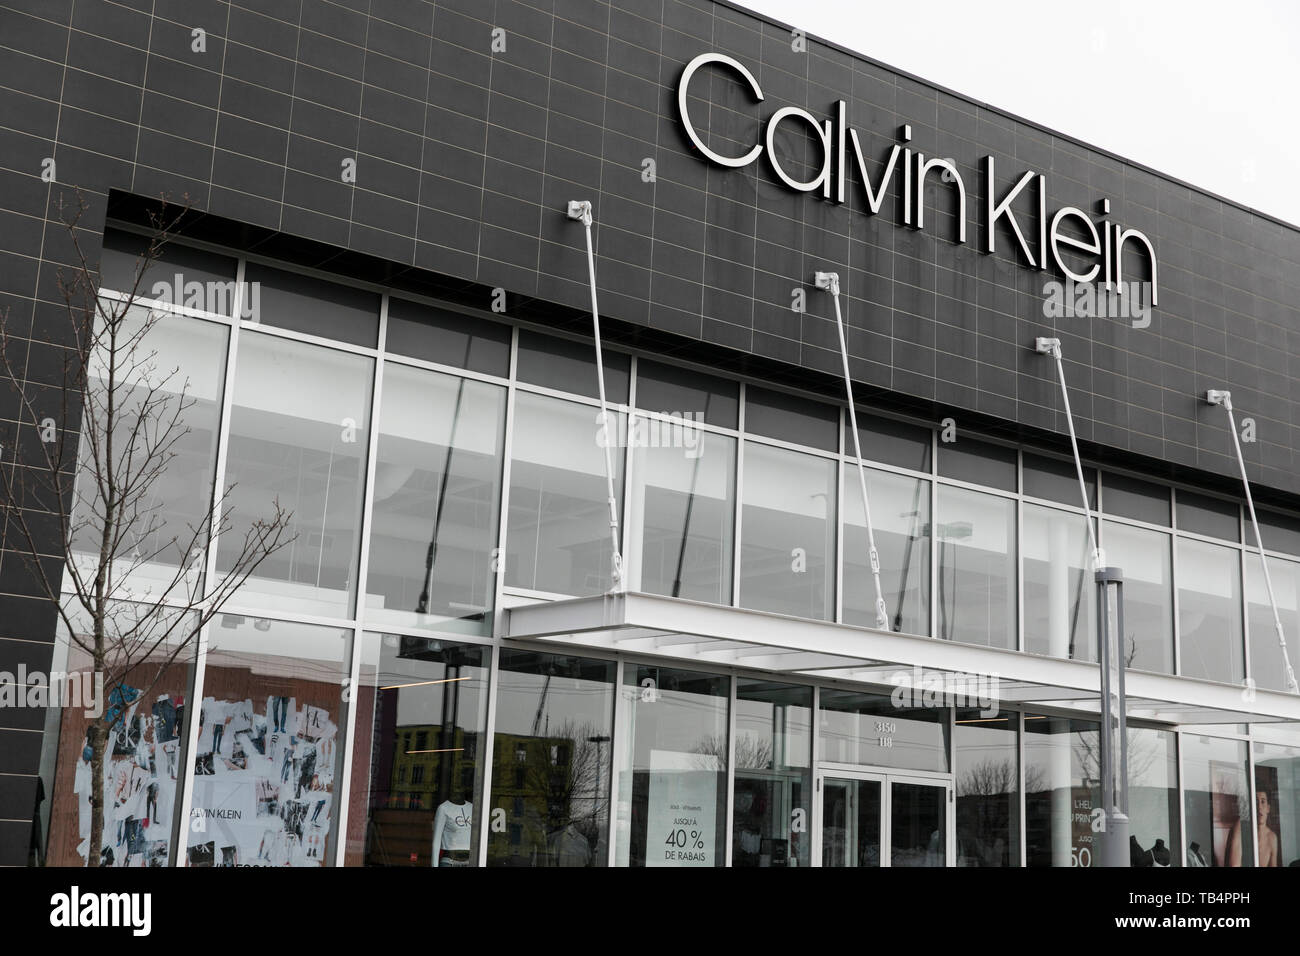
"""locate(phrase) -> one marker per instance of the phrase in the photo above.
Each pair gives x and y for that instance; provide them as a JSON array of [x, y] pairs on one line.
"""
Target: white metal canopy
[[711, 635]]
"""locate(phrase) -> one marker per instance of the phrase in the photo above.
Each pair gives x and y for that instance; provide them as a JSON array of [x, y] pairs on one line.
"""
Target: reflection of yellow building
[[426, 769], [549, 788], [420, 778]]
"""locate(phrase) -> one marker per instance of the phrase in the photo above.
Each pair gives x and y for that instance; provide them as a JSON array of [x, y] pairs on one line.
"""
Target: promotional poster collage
[[140, 774], [263, 784]]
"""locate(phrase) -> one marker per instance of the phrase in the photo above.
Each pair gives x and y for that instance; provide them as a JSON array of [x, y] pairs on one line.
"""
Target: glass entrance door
[[870, 819], [918, 823], [852, 810]]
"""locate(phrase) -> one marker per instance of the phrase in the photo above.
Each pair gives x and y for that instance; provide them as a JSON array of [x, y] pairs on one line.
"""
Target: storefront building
[[382, 317]]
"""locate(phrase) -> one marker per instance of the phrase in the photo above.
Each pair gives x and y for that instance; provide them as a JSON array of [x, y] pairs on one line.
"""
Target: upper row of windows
[[347, 314]]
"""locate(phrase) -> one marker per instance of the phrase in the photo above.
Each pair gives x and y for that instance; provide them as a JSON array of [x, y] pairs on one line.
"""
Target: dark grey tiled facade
[[466, 155]]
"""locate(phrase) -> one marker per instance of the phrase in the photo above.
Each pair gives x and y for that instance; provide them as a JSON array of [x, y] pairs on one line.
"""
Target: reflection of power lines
[[431, 556], [690, 502], [946, 532], [914, 514]]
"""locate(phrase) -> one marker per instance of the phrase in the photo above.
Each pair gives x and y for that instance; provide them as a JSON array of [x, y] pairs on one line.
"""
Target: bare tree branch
[[83, 500]]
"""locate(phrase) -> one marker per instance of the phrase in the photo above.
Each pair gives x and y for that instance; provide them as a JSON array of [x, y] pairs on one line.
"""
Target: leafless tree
[[989, 778], [752, 753], [83, 499]]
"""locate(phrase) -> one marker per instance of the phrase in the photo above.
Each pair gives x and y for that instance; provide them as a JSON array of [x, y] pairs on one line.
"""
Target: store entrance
[[883, 819]]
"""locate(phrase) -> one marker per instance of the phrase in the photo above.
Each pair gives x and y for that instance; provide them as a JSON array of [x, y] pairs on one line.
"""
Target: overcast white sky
[[1207, 92]]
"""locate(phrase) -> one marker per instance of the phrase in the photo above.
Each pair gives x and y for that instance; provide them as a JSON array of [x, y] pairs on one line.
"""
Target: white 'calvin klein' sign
[[1099, 246]]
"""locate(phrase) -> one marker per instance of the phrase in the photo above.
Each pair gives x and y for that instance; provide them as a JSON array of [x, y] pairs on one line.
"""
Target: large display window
[[1143, 556], [418, 750], [1217, 802], [437, 501], [684, 492], [1210, 640], [304, 448], [1267, 667], [787, 532], [900, 513], [266, 766], [1060, 595], [975, 534], [1277, 804], [672, 767], [557, 533], [1153, 798], [988, 788], [551, 763], [140, 703], [172, 385], [771, 819], [1062, 790]]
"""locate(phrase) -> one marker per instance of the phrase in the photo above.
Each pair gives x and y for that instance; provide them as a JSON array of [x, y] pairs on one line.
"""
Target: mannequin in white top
[[451, 832]]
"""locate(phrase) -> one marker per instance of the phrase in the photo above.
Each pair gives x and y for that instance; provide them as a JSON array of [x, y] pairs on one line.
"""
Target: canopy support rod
[[1224, 398], [1052, 347], [580, 210], [831, 282]]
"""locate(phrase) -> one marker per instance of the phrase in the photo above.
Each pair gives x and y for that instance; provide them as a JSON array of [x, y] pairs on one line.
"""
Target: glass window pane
[[141, 694], [571, 366], [685, 489], [268, 756], [1216, 796], [851, 813], [1153, 798], [305, 304], [1058, 480], [551, 763], [447, 337], [672, 789], [1061, 789], [1060, 596], [988, 788], [686, 394], [557, 536], [977, 567], [1131, 498], [1277, 804], [864, 728], [918, 824], [1213, 516], [437, 500], [773, 774], [416, 763], [791, 418], [980, 463], [1209, 611], [900, 512], [170, 376], [890, 442], [1143, 556], [305, 447], [206, 279], [1280, 532], [788, 533], [1267, 667]]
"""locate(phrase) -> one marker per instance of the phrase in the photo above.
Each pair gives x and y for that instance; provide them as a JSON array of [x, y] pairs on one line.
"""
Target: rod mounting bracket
[[1218, 396], [827, 280], [580, 210], [1047, 346]]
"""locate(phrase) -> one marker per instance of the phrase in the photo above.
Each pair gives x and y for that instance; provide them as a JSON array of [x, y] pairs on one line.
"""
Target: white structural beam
[[710, 634]]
